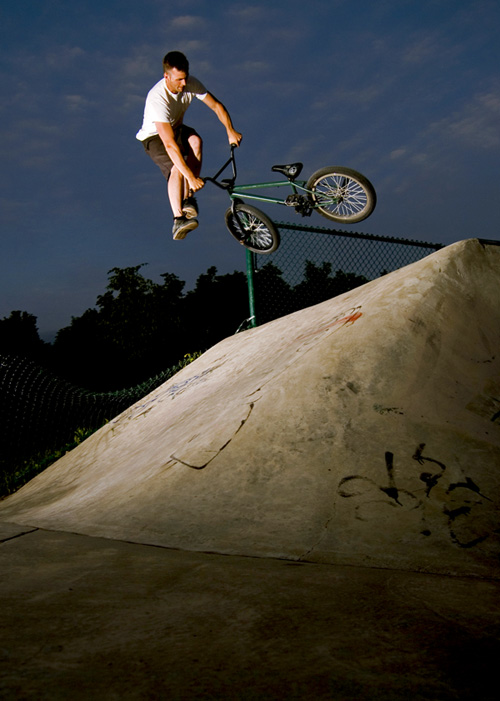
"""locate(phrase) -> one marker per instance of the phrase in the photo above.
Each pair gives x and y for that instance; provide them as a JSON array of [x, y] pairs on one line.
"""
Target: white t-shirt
[[164, 106]]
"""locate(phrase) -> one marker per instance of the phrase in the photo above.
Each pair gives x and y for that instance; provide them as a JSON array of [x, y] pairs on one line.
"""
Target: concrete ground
[[91, 618], [362, 431]]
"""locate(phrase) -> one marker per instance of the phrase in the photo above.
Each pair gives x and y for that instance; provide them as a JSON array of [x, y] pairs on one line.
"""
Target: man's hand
[[195, 184], [234, 137]]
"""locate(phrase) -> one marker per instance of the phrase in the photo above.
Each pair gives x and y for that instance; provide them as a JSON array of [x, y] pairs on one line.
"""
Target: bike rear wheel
[[341, 194], [252, 228]]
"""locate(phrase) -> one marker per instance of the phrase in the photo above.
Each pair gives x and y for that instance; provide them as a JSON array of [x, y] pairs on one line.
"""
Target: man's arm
[[223, 115], [167, 135]]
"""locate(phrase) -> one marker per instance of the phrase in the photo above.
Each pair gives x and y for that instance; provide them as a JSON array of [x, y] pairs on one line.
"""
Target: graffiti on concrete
[[455, 502], [167, 391], [345, 318]]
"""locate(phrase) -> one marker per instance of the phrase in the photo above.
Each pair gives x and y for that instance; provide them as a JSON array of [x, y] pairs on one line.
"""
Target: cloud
[[424, 49], [397, 153], [444, 146], [194, 45], [12, 210], [476, 125], [60, 56], [77, 103], [137, 66], [248, 13], [187, 22], [34, 142], [253, 65], [361, 96]]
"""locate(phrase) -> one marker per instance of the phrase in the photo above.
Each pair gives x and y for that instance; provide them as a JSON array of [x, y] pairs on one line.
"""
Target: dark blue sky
[[407, 92]]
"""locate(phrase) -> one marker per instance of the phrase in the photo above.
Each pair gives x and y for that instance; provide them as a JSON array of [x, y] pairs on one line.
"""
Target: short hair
[[175, 59]]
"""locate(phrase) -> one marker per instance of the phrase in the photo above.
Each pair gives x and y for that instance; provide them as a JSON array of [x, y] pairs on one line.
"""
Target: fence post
[[251, 289]]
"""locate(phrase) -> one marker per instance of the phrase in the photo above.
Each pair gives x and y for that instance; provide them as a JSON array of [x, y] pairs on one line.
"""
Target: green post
[[251, 290]]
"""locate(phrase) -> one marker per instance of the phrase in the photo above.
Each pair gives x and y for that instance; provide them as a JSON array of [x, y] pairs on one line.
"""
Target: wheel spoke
[[341, 195], [252, 228], [256, 233]]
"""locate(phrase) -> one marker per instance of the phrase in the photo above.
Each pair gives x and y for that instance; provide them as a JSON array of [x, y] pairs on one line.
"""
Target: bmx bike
[[340, 194]]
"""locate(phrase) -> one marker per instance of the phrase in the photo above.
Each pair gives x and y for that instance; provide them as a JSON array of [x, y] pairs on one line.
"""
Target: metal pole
[[251, 289]]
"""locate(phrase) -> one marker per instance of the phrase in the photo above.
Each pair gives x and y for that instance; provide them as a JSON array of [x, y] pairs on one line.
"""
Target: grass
[[13, 477]]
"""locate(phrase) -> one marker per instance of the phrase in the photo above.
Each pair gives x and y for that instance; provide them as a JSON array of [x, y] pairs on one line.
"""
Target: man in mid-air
[[174, 147]]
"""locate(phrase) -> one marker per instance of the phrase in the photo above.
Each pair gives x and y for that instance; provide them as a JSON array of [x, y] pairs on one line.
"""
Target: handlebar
[[227, 183]]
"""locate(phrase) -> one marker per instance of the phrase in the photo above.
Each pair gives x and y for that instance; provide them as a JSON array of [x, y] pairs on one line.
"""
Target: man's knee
[[196, 144], [175, 174]]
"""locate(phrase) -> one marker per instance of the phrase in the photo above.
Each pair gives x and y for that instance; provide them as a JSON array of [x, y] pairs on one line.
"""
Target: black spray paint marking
[[359, 486]]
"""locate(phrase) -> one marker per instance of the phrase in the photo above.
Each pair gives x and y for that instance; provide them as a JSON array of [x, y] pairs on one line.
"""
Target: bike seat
[[290, 171]]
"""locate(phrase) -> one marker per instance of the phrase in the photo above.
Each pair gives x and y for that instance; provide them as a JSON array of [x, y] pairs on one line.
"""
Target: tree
[[80, 352], [135, 332], [273, 295], [19, 336], [215, 308], [318, 285]]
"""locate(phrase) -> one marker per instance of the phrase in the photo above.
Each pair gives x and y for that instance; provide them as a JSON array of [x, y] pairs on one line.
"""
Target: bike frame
[[294, 185], [241, 191]]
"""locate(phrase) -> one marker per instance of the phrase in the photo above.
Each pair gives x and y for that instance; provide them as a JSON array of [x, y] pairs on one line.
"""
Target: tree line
[[139, 327]]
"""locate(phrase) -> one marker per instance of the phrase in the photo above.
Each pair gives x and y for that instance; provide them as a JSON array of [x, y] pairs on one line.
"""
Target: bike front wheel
[[252, 228], [341, 194]]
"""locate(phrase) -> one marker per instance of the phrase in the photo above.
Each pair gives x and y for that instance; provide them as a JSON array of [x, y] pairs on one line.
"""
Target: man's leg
[[178, 191], [194, 153], [156, 150], [192, 146], [175, 180]]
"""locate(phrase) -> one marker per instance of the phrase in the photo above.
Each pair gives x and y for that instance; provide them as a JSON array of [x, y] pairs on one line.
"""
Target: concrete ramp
[[364, 430]]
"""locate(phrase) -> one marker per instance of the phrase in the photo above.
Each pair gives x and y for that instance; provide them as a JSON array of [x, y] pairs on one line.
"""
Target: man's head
[[176, 71]]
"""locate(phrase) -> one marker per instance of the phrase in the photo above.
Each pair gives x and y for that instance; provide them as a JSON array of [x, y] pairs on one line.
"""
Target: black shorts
[[156, 150]]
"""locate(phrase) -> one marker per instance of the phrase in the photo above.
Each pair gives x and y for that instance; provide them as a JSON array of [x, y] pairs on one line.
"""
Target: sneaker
[[182, 227], [190, 208]]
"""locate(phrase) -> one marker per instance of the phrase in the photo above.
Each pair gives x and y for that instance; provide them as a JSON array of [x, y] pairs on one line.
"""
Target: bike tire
[[252, 228], [354, 194]]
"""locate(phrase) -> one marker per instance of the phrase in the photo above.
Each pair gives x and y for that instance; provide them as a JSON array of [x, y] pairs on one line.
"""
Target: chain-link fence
[[313, 264], [40, 412]]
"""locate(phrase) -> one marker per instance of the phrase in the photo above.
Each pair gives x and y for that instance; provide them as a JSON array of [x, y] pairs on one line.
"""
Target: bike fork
[[236, 216]]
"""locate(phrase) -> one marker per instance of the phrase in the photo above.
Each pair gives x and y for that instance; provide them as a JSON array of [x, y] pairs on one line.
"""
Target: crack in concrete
[[202, 467], [18, 535], [318, 541]]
